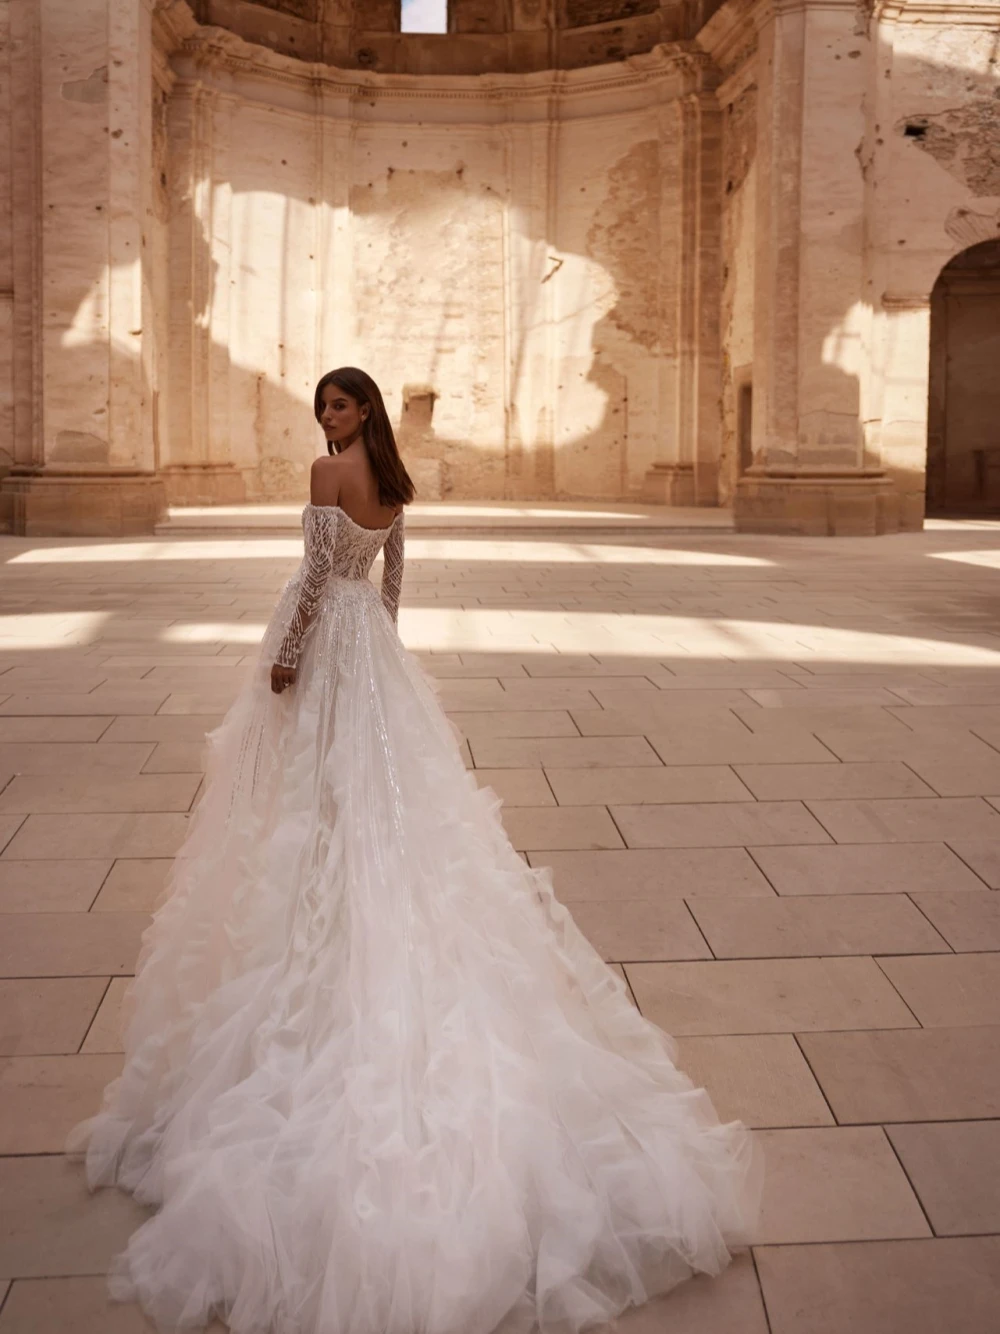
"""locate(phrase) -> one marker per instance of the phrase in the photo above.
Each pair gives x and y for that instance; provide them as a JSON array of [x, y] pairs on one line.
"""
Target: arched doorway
[[963, 411]]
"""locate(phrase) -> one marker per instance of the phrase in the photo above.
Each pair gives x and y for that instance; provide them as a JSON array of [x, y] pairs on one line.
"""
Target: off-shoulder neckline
[[361, 526]]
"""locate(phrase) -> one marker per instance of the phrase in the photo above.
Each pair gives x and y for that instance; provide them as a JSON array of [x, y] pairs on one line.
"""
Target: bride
[[376, 1080]]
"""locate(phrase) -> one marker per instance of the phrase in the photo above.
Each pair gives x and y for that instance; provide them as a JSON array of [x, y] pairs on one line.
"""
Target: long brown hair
[[394, 484]]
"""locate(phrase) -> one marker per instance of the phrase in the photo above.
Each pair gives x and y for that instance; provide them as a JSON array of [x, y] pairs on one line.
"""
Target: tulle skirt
[[376, 1080]]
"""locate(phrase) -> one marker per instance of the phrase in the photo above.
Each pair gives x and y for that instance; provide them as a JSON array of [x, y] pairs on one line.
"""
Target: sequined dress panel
[[376, 1081]]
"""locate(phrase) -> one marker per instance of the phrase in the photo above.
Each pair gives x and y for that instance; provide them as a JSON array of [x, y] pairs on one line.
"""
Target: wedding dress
[[376, 1080]]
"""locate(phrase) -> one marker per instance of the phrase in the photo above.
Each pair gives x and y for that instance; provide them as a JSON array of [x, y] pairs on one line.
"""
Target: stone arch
[[963, 413]]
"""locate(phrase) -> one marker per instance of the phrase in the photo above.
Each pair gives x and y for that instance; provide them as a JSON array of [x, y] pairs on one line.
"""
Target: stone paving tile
[[908, 1075], [52, 730], [954, 1167], [725, 741], [835, 1183], [759, 1079], [728, 1304], [816, 925], [907, 821], [120, 699], [575, 752], [782, 782], [50, 886], [79, 1305], [133, 885], [653, 873], [480, 726], [983, 856], [626, 929], [176, 757], [48, 794], [577, 827], [97, 836], [646, 785], [517, 787], [722, 825], [40, 1015], [823, 697], [176, 728], [50, 1223], [865, 869], [767, 996], [809, 717], [969, 922], [105, 1033], [43, 1097], [951, 990], [921, 1286], [655, 712], [63, 759], [70, 944]]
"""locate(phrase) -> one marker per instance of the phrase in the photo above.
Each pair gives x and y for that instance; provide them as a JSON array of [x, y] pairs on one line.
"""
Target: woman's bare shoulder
[[324, 480]]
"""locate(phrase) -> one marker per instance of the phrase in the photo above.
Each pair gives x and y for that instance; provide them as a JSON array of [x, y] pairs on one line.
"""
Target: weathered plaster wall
[[497, 256], [6, 247], [931, 151]]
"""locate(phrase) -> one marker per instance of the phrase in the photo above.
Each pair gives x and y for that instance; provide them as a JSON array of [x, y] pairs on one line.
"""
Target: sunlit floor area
[[765, 771]]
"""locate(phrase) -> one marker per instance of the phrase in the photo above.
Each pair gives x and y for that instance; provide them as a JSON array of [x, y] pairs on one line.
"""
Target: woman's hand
[[281, 677]]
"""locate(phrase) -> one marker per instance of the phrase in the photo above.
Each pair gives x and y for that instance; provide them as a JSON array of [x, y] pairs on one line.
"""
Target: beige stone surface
[[43, 1097], [646, 785], [770, 782], [817, 925], [133, 885], [729, 1304], [968, 922], [43, 1305], [70, 944], [949, 990], [627, 929], [724, 825], [50, 886], [759, 1079], [47, 1015], [653, 873], [914, 1075], [835, 1183], [866, 869], [954, 1168], [50, 1223], [767, 996], [49, 793], [923, 1286], [816, 1050], [105, 1034], [517, 787], [907, 821]]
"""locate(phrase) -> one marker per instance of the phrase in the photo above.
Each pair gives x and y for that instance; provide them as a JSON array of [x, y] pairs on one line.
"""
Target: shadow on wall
[[611, 327]]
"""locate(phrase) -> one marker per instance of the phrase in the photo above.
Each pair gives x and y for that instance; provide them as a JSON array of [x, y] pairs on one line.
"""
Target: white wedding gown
[[376, 1081]]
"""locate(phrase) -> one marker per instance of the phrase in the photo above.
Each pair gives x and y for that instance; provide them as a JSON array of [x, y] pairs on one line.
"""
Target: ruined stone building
[[674, 250]]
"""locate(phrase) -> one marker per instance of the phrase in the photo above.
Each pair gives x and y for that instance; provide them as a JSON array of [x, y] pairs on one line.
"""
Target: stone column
[[809, 472], [82, 95], [689, 475]]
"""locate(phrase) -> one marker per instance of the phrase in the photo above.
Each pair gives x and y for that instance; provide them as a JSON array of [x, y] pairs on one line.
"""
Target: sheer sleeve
[[392, 568], [318, 533]]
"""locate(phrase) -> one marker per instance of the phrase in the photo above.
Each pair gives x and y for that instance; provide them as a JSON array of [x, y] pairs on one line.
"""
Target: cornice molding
[[939, 13], [208, 49]]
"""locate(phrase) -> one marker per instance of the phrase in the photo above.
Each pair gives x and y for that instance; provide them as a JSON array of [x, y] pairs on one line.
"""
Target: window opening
[[424, 16]]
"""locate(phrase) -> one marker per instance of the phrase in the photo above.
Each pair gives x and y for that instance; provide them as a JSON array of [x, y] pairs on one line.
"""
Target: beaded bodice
[[338, 548]]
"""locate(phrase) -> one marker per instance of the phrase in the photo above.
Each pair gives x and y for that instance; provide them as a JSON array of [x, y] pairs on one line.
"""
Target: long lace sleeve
[[317, 531], [392, 568]]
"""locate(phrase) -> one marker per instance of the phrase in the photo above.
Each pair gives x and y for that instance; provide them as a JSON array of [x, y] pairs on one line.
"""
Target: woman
[[376, 1080]]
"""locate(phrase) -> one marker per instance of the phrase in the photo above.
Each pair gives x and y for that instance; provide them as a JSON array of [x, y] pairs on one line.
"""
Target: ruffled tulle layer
[[376, 1080]]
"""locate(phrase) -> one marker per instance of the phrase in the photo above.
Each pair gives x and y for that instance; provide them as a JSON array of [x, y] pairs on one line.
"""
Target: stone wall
[[505, 257]]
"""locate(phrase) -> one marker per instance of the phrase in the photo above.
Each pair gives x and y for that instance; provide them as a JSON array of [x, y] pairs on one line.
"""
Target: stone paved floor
[[766, 772]]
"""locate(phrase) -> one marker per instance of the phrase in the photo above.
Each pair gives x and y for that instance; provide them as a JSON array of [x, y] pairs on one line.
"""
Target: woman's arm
[[318, 534], [392, 568]]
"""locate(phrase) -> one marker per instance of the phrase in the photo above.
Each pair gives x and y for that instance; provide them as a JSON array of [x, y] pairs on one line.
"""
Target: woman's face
[[342, 416]]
